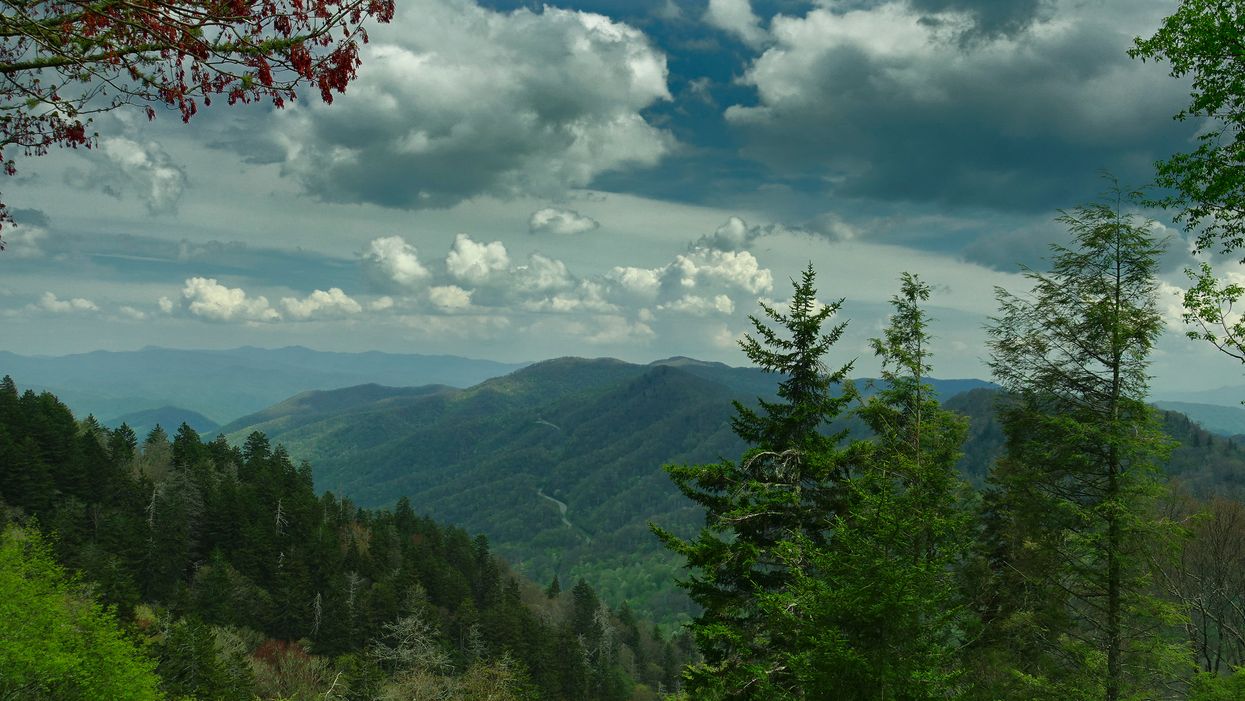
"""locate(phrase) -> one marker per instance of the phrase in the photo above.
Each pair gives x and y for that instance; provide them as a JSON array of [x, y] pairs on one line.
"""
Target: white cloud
[[541, 275], [394, 260], [642, 282], [736, 235], [475, 263], [735, 269], [736, 17], [208, 299], [1170, 300], [588, 296], [458, 100], [132, 313], [320, 303], [563, 222], [380, 304], [121, 166], [613, 330], [24, 240], [696, 305], [449, 297], [49, 302]]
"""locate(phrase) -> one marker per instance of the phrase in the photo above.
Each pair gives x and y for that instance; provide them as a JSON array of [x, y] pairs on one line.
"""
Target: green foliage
[[785, 487], [57, 643], [875, 609], [1202, 39], [1209, 307], [254, 586], [1214, 687], [1069, 521]]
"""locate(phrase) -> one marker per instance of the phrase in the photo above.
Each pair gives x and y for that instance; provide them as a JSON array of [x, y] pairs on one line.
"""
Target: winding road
[[562, 507]]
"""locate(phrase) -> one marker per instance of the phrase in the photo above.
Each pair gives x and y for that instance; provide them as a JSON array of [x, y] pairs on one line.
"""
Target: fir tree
[[789, 485]]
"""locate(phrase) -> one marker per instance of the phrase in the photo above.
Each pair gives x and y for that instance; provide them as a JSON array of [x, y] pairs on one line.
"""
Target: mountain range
[[558, 463], [222, 385]]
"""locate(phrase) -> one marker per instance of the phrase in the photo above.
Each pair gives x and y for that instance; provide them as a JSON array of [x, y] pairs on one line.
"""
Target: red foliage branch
[[64, 60]]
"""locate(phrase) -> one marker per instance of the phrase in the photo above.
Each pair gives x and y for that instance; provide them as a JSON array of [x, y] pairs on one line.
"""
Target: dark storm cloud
[[990, 17], [881, 105]]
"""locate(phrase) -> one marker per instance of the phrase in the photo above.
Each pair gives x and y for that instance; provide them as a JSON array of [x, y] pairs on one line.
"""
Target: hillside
[[234, 579], [225, 384], [169, 417], [1216, 418], [498, 457]]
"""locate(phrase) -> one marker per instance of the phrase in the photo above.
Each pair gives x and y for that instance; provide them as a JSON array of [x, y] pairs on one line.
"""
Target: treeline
[[842, 565], [234, 580]]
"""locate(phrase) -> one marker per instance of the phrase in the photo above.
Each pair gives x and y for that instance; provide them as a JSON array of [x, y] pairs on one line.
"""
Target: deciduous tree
[[61, 61], [1203, 40], [1073, 495]]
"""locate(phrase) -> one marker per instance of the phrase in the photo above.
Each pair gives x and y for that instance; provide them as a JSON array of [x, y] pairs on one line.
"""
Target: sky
[[628, 178]]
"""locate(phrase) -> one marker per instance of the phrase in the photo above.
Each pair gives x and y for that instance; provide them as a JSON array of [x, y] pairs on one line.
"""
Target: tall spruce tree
[[1071, 499], [874, 609], [788, 485]]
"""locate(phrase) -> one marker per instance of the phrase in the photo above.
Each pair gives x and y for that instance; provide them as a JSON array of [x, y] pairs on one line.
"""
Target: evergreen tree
[[874, 609], [1072, 497], [789, 485]]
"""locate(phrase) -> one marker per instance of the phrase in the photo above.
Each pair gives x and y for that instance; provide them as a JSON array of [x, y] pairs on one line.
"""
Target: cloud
[[736, 17], [735, 269], [456, 101], [208, 299], [27, 235], [736, 235], [131, 313], [989, 18], [888, 101], [391, 260], [700, 282], [563, 222], [49, 302], [449, 297], [123, 167], [474, 263], [333, 303], [700, 306], [542, 274]]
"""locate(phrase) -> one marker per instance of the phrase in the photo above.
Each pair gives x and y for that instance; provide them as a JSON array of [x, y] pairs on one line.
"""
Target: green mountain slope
[[1216, 418], [168, 417], [504, 456]]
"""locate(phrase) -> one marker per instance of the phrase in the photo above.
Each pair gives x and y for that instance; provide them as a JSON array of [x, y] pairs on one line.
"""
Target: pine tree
[[874, 609], [1072, 497], [789, 484]]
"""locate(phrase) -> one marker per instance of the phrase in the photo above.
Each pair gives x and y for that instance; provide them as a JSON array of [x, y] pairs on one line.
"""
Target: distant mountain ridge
[[1216, 418], [225, 384], [167, 417], [499, 456]]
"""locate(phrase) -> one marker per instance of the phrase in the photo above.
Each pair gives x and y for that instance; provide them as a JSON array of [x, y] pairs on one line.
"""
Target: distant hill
[[225, 384], [167, 417], [1223, 396], [499, 457], [1216, 418]]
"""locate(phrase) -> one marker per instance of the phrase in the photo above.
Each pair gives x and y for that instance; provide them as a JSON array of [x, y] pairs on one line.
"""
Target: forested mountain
[[1216, 418], [142, 422], [237, 580], [225, 384], [506, 456]]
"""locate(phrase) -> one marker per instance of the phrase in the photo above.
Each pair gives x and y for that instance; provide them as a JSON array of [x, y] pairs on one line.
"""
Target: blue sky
[[518, 180]]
